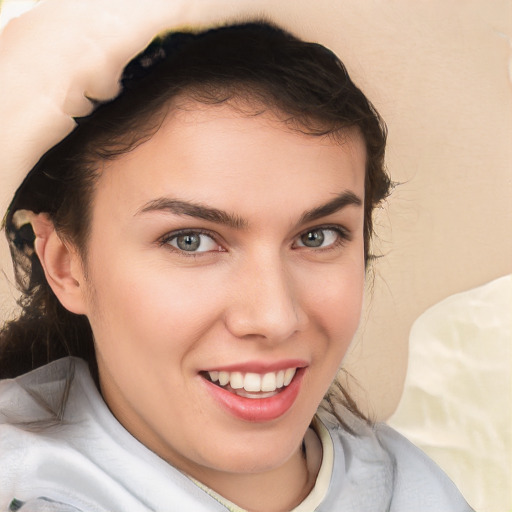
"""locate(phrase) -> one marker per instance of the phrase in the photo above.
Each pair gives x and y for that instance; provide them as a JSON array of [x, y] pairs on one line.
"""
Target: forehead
[[218, 154]]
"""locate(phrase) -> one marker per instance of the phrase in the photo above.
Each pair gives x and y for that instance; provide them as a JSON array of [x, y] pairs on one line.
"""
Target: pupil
[[189, 242], [313, 238]]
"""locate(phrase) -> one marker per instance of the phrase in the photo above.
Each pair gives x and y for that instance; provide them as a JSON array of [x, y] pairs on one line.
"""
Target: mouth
[[252, 385], [255, 397]]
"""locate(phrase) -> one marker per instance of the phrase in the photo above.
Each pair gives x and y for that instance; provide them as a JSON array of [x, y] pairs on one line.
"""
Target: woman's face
[[225, 250]]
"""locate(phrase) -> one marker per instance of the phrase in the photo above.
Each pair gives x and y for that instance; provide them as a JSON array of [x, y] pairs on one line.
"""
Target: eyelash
[[343, 236], [166, 239]]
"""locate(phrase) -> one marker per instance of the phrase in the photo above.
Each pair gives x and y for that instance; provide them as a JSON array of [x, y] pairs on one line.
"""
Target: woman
[[199, 245]]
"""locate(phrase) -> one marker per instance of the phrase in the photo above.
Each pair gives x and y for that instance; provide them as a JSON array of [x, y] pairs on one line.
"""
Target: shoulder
[[32, 410], [376, 468], [418, 481]]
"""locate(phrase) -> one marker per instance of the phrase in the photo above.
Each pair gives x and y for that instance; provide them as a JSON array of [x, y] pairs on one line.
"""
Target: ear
[[61, 264]]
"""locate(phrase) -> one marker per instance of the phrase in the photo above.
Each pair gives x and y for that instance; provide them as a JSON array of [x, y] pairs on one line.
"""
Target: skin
[[256, 293]]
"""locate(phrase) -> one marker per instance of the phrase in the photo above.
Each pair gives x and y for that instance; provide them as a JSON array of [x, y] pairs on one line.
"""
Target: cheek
[[151, 305], [337, 296], [335, 303]]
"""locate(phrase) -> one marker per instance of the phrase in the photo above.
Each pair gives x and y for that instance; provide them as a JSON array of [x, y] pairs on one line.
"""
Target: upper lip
[[260, 366]]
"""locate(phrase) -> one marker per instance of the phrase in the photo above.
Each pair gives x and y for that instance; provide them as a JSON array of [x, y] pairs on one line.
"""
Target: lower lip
[[257, 409]]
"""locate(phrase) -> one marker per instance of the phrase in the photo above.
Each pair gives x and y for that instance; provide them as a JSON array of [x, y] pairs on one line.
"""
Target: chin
[[254, 454]]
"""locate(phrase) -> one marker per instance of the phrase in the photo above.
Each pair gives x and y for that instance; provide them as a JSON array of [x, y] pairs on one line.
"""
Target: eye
[[192, 241], [321, 237]]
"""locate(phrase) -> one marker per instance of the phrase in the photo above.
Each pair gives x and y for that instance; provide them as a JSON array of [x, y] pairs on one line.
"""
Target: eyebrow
[[199, 211], [341, 201]]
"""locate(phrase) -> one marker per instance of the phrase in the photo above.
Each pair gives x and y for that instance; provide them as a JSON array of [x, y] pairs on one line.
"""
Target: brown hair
[[254, 64]]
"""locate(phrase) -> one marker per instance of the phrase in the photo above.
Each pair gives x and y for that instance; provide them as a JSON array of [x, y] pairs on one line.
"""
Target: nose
[[265, 302]]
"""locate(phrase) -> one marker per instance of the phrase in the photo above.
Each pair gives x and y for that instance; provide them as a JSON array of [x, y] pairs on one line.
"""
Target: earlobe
[[61, 264]]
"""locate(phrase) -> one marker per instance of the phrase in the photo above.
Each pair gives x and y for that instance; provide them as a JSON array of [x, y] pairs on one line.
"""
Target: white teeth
[[268, 383], [223, 378], [280, 379], [237, 380], [288, 375], [254, 382]]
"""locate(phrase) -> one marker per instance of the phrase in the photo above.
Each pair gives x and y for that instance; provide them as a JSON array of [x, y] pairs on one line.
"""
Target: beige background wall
[[440, 74]]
